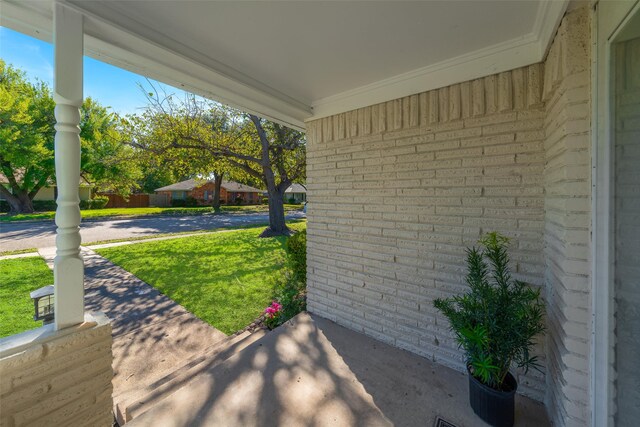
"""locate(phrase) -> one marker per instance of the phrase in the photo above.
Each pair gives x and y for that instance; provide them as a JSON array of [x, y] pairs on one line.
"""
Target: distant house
[[49, 191], [298, 192], [230, 192]]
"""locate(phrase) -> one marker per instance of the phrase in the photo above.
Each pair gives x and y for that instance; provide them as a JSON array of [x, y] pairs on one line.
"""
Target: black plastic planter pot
[[495, 407]]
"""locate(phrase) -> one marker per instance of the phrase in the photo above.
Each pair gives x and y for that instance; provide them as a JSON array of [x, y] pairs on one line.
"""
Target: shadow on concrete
[[10, 231], [312, 372]]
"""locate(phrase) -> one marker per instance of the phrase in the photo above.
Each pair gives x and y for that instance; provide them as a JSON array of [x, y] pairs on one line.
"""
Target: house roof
[[236, 187], [297, 62], [296, 188], [190, 184], [18, 176], [187, 185]]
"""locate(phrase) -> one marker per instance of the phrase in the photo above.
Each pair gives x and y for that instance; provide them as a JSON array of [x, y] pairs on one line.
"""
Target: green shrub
[[291, 296], [292, 201], [38, 205], [191, 202], [496, 321], [44, 205], [178, 203], [297, 255], [264, 200], [99, 202], [291, 299]]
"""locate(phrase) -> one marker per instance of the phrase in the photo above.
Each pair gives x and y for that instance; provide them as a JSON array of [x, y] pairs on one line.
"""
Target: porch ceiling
[[292, 61]]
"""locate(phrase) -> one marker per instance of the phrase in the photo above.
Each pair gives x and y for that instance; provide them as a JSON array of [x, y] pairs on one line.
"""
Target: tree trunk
[[277, 224], [19, 202], [25, 202], [217, 185]]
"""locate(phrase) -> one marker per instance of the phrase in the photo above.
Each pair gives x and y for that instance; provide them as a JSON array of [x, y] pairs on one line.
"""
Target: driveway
[[41, 234]]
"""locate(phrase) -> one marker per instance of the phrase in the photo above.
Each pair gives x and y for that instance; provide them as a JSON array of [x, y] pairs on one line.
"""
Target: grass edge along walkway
[[225, 279], [19, 252]]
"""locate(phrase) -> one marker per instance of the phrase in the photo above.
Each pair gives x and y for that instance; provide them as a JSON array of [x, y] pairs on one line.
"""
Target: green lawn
[[226, 279], [18, 277], [99, 213]]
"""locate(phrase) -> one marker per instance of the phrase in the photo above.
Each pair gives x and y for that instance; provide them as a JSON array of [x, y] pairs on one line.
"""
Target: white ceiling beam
[[168, 62], [115, 38]]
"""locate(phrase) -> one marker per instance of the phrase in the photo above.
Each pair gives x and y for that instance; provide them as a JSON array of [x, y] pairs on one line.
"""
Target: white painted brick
[[421, 178], [61, 377]]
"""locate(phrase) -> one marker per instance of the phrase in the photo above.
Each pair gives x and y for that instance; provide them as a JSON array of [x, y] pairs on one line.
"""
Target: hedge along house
[[428, 124]]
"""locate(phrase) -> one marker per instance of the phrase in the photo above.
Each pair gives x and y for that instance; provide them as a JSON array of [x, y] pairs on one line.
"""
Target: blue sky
[[109, 85]]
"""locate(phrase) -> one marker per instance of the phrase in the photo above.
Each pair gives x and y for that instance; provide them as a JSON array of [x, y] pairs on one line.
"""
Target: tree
[[106, 163], [263, 150], [26, 137], [156, 130], [27, 141], [282, 161], [155, 174]]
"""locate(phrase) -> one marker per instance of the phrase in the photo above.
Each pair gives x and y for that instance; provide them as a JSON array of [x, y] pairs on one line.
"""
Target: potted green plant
[[495, 322]]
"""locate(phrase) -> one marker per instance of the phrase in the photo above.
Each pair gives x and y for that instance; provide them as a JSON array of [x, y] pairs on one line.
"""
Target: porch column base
[[61, 376]]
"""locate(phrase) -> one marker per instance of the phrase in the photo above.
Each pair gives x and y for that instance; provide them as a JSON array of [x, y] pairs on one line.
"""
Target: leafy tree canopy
[[27, 141], [211, 138]]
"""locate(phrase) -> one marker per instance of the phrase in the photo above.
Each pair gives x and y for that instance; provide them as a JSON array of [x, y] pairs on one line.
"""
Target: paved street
[[24, 235]]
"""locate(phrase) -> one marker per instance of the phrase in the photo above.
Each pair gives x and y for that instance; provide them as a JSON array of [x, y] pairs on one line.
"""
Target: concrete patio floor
[[312, 372]]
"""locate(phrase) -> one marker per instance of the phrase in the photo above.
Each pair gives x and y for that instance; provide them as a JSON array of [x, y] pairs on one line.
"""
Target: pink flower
[[276, 306], [273, 310]]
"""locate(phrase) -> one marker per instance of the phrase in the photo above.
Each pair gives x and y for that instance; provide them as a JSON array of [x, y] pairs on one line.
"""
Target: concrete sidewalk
[[151, 333]]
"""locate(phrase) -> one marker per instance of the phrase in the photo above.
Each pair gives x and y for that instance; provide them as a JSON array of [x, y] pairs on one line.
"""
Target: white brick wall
[[567, 219], [398, 190], [64, 379]]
